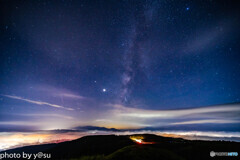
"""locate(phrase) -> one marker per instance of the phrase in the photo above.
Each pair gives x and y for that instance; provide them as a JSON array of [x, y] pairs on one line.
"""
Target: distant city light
[[138, 139]]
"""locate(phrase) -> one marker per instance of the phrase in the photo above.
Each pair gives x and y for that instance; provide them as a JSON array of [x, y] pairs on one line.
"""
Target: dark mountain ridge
[[113, 147]]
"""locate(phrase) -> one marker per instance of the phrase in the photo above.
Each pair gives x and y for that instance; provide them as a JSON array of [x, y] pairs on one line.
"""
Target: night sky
[[121, 64]]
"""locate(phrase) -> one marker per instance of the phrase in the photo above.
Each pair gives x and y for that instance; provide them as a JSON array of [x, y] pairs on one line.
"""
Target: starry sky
[[122, 64]]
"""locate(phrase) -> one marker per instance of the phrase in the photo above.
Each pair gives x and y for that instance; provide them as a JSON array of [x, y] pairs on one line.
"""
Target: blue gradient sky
[[124, 64]]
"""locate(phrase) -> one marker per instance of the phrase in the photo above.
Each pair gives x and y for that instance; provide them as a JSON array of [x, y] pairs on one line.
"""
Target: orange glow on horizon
[[16, 139]]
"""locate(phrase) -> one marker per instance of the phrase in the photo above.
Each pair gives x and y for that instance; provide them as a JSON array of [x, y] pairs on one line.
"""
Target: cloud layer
[[219, 114]]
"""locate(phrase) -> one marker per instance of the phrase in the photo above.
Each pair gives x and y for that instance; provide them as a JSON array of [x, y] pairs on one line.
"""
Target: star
[[187, 8], [104, 90]]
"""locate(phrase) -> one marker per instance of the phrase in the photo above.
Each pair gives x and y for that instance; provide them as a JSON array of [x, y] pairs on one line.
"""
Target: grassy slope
[[137, 152]]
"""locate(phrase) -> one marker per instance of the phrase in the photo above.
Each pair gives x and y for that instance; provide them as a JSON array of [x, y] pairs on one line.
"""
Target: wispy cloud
[[219, 114], [38, 102], [46, 115], [123, 111], [73, 96], [206, 121], [58, 92]]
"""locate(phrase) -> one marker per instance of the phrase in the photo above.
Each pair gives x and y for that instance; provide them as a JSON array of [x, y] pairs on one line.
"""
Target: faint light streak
[[38, 102]]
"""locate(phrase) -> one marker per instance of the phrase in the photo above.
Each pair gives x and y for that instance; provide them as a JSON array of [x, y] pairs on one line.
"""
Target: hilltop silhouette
[[123, 147]]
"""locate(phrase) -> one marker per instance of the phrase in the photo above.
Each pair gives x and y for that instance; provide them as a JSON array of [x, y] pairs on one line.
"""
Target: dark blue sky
[[109, 63]]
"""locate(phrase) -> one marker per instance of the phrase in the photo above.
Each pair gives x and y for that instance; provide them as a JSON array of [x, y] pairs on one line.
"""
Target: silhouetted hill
[[112, 147], [95, 128], [90, 145], [140, 152]]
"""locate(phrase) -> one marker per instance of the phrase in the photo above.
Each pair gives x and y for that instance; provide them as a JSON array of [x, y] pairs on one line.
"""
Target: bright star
[[104, 90]]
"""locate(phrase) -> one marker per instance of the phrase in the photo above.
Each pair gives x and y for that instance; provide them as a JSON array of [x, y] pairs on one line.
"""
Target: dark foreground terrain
[[112, 147]]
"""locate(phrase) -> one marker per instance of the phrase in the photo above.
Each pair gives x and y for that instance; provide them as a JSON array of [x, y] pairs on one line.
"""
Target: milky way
[[139, 46]]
